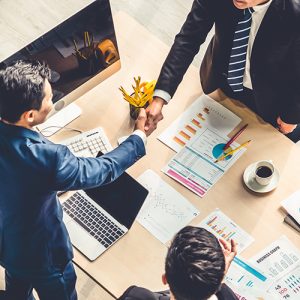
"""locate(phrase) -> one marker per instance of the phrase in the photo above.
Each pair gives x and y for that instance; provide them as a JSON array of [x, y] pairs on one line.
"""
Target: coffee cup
[[264, 172]]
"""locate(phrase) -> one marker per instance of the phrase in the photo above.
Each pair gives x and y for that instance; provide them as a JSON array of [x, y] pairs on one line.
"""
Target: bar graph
[[192, 126], [204, 113], [223, 227], [222, 231]]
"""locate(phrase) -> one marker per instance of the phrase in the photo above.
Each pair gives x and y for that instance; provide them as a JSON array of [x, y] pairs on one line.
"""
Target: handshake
[[148, 118]]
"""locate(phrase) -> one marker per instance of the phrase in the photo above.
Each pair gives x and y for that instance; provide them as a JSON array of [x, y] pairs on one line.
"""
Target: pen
[[235, 137], [75, 45], [232, 151]]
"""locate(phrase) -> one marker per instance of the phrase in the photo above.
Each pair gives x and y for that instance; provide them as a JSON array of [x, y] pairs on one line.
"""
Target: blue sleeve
[[74, 173]]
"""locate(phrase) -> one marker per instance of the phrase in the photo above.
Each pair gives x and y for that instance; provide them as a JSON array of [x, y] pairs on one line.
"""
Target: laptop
[[97, 218]]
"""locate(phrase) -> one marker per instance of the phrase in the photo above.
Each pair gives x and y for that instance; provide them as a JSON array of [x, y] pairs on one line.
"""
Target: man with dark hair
[[195, 266], [35, 248], [254, 57]]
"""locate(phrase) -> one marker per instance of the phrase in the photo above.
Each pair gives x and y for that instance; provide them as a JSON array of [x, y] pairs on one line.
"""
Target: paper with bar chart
[[203, 113], [194, 165], [165, 211], [223, 227], [281, 262], [247, 281]]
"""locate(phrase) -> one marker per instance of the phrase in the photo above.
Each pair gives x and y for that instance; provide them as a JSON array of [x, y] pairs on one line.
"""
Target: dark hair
[[195, 264], [22, 88]]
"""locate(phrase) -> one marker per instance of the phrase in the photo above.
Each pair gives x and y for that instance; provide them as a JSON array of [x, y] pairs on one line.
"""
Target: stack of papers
[[292, 206]]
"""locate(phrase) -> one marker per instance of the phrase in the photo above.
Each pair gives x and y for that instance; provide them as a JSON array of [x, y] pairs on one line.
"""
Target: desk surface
[[138, 258]]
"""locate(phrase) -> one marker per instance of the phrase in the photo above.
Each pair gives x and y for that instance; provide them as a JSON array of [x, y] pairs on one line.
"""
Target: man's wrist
[[141, 134], [165, 96]]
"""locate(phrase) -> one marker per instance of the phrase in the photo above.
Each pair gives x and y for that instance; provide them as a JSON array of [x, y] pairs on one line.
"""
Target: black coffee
[[263, 172]]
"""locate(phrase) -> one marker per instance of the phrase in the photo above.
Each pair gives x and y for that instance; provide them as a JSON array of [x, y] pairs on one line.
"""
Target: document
[[194, 165], [165, 211], [203, 113], [281, 262], [292, 205], [247, 282], [223, 227]]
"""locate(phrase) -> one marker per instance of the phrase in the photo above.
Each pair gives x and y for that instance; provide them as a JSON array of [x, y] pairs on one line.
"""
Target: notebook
[[97, 218]]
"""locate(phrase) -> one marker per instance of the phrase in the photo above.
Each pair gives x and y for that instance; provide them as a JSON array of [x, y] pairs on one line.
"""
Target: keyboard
[[92, 220], [89, 143]]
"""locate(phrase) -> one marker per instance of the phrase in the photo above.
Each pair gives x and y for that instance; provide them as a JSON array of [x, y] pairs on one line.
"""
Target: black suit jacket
[[138, 293], [275, 58]]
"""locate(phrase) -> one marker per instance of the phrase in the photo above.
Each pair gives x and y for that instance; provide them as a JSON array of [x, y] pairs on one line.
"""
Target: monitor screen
[[81, 52]]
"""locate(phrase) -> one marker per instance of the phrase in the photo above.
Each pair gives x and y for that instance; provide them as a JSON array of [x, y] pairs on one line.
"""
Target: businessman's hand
[[154, 114], [284, 127], [229, 250], [141, 122]]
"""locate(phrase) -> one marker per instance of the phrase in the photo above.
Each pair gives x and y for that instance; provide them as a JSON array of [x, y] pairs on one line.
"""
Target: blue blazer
[[32, 169]]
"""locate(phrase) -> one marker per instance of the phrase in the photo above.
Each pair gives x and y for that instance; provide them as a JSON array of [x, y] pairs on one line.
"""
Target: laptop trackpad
[[85, 243]]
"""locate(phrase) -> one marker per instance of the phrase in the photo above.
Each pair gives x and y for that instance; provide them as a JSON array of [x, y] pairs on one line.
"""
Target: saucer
[[253, 185]]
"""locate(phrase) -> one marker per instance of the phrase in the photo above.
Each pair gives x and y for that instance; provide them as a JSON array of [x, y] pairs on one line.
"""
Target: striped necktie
[[237, 61]]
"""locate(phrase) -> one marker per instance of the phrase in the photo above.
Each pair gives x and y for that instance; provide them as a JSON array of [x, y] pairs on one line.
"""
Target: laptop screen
[[122, 198]]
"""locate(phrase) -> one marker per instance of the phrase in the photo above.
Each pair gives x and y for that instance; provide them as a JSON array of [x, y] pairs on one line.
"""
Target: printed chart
[[165, 211], [223, 227], [246, 281], [195, 166], [203, 113]]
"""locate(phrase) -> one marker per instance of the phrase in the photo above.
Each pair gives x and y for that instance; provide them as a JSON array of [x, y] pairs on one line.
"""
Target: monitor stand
[[60, 119]]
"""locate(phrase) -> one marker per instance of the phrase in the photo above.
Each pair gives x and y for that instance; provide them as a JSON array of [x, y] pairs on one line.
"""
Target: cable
[[61, 127]]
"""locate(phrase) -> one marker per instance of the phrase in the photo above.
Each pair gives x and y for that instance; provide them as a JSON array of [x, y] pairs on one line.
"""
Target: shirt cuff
[[141, 134], [162, 94]]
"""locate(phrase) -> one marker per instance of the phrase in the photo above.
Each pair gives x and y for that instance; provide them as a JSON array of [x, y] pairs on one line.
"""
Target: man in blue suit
[[35, 248]]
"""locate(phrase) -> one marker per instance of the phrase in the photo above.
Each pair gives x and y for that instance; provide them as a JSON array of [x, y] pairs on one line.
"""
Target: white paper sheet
[[165, 211], [194, 165], [203, 113], [223, 227], [281, 262], [246, 281]]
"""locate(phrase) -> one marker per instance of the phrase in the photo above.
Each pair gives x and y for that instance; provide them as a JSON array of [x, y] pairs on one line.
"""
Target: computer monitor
[[81, 51]]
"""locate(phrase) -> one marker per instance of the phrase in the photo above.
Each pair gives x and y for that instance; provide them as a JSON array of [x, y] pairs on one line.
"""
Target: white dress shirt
[[257, 17]]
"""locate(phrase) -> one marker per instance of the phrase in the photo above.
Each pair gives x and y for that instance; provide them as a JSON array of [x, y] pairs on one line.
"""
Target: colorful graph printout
[[280, 261], [194, 165], [222, 226], [203, 113], [246, 281]]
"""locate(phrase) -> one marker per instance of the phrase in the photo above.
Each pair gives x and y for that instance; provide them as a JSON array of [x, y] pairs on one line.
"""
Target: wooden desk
[[138, 258]]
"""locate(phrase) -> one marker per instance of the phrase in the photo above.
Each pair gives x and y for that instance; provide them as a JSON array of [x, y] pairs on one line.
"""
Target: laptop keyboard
[[92, 220]]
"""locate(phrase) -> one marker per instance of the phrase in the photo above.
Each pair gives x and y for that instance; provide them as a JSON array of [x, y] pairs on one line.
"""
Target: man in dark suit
[[254, 56], [194, 269], [35, 248]]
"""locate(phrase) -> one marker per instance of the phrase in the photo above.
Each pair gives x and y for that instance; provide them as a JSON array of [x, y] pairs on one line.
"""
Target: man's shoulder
[[292, 9], [138, 293]]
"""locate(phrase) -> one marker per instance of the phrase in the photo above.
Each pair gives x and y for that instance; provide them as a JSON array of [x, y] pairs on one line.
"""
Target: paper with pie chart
[[165, 211], [194, 165], [203, 113]]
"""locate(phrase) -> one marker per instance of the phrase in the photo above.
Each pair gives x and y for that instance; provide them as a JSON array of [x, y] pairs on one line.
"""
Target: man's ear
[[28, 116], [164, 279]]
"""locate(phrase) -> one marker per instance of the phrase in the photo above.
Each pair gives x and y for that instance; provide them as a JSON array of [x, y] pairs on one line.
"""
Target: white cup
[[264, 172]]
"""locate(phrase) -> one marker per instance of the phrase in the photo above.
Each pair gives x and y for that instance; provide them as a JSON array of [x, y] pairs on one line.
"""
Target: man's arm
[[290, 112], [186, 45], [72, 173]]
